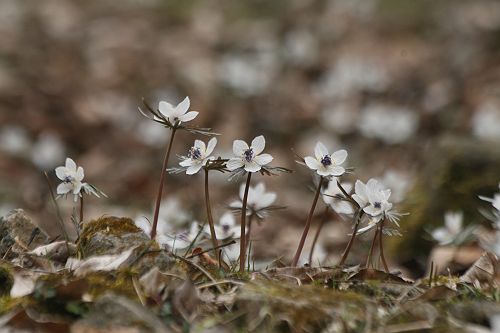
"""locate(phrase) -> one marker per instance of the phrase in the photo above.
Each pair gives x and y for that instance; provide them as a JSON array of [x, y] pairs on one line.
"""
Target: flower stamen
[[326, 160], [194, 153], [248, 154]]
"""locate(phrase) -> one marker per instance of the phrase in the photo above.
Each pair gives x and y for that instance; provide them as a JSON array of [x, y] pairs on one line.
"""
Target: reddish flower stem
[[160, 188], [308, 225], [243, 246], [357, 218], [318, 231], [386, 267], [370, 253], [210, 219]]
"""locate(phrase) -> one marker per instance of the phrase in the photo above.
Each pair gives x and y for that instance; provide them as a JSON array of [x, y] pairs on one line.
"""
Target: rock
[[111, 235], [19, 234], [113, 313]]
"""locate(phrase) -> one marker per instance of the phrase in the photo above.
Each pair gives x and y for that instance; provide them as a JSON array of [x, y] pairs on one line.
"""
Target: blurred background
[[410, 88]]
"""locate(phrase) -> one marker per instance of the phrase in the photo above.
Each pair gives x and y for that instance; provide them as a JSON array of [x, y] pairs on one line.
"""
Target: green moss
[[7, 303], [119, 282], [6, 281], [109, 228]]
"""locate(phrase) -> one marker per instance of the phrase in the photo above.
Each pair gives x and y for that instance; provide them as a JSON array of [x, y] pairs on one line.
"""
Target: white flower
[[72, 178], [452, 228], [388, 123], [486, 121], [232, 252], [226, 228], [398, 182], [198, 156], [177, 113], [339, 206], [249, 158], [258, 199], [326, 164], [372, 198]]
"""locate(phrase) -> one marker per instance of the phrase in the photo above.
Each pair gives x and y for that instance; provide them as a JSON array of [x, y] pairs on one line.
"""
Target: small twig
[[201, 269], [212, 284], [138, 291]]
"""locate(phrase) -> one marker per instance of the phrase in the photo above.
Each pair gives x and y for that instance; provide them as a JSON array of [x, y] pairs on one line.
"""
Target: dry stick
[[381, 228], [243, 246], [162, 180], [370, 253], [316, 236], [210, 219], [308, 225], [357, 217]]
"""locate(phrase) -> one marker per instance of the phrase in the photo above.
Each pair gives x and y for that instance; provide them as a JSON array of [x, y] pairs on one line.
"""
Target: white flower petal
[[200, 145], [266, 200], [239, 147], [183, 107], [336, 170], [77, 188], [80, 174], [234, 163], [211, 146], [70, 165], [187, 162], [320, 150], [188, 116], [166, 109], [339, 156], [312, 163], [193, 169], [258, 144], [252, 166], [61, 172], [64, 188], [263, 159]]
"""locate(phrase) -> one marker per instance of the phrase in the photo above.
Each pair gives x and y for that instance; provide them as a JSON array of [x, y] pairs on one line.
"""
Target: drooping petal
[[258, 144], [339, 156], [77, 187], [239, 147], [183, 107], [320, 150], [70, 165], [312, 163], [259, 189], [80, 174], [188, 116], [64, 188], [234, 163], [211, 146], [263, 159], [252, 166], [236, 204], [193, 169], [166, 109]]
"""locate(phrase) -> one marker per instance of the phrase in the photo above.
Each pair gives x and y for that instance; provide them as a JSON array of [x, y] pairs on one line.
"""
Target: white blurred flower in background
[[390, 124], [342, 118], [226, 228], [14, 140], [301, 47], [183, 239], [486, 121], [398, 182], [453, 226], [47, 151], [258, 200]]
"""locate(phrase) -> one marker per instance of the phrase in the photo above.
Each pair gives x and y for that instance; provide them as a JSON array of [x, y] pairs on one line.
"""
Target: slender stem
[[249, 231], [347, 195], [318, 231], [81, 209], [243, 246], [357, 218], [58, 211], [370, 253], [308, 224], [210, 219], [382, 246], [162, 180]]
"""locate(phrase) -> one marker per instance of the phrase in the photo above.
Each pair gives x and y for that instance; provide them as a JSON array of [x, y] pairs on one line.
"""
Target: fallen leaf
[[98, 263]]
